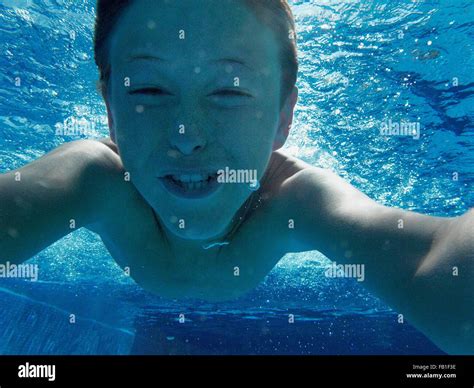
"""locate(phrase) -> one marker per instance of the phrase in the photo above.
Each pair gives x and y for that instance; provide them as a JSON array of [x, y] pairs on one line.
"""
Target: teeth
[[193, 185], [198, 178], [192, 182], [191, 178]]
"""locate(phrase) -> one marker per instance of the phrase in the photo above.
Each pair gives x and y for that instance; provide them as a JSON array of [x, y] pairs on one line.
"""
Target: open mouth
[[191, 185]]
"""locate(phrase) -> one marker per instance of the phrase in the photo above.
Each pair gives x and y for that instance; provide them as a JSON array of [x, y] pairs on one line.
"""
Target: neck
[[178, 245], [214, 244]]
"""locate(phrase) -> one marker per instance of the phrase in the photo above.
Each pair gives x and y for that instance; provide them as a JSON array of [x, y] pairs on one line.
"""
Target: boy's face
[[194, 88]]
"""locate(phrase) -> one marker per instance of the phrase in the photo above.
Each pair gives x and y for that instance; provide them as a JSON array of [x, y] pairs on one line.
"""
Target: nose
[[188, 138], [187, 143]]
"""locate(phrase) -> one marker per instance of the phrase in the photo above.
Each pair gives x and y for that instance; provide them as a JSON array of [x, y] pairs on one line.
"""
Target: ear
[[286, 119]]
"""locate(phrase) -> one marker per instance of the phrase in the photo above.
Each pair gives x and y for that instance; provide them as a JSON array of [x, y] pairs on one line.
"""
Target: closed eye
[[231, 93], [150, 92]]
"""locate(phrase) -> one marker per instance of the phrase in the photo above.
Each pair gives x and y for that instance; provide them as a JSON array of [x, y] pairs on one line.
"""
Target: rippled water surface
[[363, 63]]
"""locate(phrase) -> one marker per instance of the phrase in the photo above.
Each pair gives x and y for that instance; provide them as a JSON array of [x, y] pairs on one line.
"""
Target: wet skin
[[160, 84]]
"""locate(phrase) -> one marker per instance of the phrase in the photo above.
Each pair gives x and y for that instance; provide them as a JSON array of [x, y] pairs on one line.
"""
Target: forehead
[[194, 30]]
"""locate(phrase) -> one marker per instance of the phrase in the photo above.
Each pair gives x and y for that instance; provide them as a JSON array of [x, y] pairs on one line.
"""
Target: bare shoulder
[[321, 203], [287, 173], [305, 183]]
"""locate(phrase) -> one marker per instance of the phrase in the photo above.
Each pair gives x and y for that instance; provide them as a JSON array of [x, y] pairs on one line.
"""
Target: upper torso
[[137, 242]]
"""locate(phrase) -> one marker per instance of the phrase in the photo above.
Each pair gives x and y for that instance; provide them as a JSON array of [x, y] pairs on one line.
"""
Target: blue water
[[362, 63]]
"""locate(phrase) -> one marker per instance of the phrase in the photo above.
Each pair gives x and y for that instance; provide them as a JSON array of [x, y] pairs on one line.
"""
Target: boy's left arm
[[422, 266]]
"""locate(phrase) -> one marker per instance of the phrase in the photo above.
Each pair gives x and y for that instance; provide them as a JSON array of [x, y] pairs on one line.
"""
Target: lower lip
[[178, 190]]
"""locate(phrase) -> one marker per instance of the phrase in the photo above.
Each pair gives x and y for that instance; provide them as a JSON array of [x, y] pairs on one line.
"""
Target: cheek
[[134, 149], [133, 136], [254, 124], [260, 132]]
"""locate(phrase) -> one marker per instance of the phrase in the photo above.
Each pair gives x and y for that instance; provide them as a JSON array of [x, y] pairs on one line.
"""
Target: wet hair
[[275, 14]]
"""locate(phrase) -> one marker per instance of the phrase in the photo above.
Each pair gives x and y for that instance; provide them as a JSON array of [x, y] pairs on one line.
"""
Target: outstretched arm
[[422, 266], [42, 201]]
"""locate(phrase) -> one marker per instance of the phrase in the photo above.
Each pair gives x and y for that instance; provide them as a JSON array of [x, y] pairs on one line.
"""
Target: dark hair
[[275, 14]]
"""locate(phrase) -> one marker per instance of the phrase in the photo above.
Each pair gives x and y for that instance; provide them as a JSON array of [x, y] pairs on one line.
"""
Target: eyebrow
[[152, 57], [237, 61]]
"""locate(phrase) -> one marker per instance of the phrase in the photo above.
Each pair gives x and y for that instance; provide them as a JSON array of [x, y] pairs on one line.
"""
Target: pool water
[[363, 63]]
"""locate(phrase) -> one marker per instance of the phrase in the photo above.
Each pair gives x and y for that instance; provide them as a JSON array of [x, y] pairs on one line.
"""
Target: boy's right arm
[[50, 197]]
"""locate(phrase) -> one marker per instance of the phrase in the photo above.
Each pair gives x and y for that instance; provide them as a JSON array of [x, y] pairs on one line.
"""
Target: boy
[[192, 192]]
